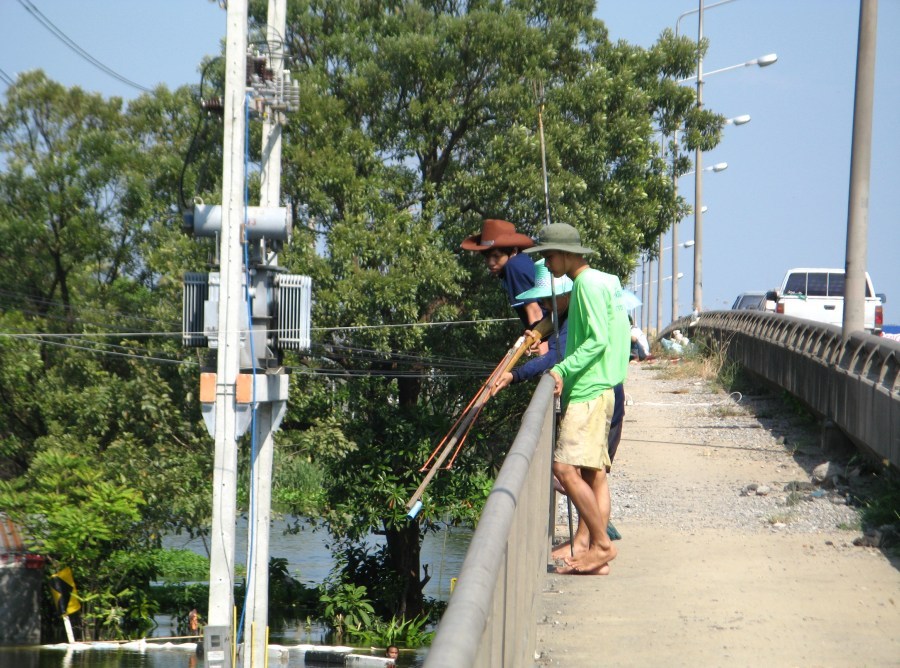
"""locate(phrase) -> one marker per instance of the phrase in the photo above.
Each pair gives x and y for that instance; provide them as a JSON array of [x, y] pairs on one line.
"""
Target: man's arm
[[593, 306], [535, 315]]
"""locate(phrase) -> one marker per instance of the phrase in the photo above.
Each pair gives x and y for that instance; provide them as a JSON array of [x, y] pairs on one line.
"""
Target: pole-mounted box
[[262, 222]]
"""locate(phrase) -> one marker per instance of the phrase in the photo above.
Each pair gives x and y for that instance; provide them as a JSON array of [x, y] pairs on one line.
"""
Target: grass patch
[[883, 505], [298, 486], [689, 366], [798, 409], [708, 360], [793, 499], [781, 518], [726, 411], [850, 526], [181, 566]]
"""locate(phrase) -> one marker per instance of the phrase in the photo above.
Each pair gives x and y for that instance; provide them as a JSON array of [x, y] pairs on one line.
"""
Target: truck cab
[[818, 294]]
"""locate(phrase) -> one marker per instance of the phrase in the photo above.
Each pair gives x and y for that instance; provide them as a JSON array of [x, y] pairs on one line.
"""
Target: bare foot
[[572, 570], [562, 550], [592, 559]]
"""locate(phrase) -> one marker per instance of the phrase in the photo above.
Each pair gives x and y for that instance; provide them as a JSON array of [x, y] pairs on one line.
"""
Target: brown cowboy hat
[[496, 234]]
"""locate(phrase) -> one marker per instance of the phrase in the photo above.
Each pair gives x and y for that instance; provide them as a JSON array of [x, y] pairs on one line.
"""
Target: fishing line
[[557, 404], [737, 397]]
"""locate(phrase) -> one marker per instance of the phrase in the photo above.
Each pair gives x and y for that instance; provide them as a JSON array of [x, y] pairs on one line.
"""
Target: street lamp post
[[674, 248], [698, 179], [763, 61]]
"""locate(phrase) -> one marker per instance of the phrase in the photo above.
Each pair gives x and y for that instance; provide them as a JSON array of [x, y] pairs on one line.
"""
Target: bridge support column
[[836, 444]]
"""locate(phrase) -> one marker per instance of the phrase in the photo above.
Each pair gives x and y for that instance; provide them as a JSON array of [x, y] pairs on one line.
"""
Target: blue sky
[[783, 200], [781, 203]]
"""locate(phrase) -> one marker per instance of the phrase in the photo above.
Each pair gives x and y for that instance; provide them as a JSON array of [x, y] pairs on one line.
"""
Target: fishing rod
[[557, 408], [454, 439]]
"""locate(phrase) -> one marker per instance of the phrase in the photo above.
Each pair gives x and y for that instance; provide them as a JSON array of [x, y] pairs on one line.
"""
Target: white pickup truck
[[818, 294]]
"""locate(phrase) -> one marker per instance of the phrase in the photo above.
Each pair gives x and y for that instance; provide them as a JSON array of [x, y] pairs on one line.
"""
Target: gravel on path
[[730, 554]]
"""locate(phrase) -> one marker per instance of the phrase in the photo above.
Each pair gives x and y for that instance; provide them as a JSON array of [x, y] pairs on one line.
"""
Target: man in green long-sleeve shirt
[[597, 352]]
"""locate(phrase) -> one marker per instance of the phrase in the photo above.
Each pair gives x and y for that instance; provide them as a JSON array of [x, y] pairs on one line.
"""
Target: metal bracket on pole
[[270, 388]]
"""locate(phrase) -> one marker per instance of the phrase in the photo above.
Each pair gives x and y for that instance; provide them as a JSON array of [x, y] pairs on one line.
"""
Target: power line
[[112, 353], [8, 80], [300, 370], [69, 42], [444, 323], [23, 297]]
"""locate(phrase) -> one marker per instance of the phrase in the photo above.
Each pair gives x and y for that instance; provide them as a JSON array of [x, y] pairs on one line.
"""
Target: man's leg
[[580, 541], [580, 450], [584, 489]]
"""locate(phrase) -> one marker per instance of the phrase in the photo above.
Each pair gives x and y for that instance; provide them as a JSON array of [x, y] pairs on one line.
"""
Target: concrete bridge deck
[[706, 576]]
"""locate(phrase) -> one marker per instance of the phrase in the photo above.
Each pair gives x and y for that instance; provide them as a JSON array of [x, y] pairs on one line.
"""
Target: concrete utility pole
[[257, 606], [660, 261], [860, 165], [230, 308], [249, 324], [675, 222], [698, 179]]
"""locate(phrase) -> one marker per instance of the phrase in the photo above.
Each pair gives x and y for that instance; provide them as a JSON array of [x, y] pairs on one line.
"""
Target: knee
[[563, 471]]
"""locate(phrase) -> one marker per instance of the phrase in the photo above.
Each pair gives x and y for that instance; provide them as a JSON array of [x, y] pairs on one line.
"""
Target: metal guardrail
[[854, 384], [491, 619]]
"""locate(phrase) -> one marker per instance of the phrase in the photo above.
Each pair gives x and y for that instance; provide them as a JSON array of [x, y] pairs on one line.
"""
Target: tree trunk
[[404, 549]]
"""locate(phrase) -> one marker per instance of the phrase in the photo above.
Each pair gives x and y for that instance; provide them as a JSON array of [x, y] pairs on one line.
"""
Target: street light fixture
[[762, 61], [718, 167], [653, 280], [738, 120], [683, 244]]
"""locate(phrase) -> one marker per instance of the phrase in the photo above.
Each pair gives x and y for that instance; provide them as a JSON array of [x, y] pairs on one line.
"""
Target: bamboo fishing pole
[[454, 439]]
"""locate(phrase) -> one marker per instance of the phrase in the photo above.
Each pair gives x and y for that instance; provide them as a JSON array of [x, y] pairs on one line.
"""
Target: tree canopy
[[417, 120]]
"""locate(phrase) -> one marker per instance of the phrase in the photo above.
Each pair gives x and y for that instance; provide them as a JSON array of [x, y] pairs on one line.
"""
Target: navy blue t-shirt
[[517, 277]]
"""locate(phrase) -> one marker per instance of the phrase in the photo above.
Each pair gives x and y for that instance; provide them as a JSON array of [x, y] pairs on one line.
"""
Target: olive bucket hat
[[559, 237]]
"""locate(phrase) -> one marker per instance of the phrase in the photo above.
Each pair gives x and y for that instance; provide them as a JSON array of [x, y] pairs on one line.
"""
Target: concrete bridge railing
[[855, 384], [491, 620]]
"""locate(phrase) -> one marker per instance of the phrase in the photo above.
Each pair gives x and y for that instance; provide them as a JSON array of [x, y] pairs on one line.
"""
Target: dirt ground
[[706, 576]]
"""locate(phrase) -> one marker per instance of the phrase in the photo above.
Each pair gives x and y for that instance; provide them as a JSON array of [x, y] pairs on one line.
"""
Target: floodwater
[[308, 560], [170, 657]]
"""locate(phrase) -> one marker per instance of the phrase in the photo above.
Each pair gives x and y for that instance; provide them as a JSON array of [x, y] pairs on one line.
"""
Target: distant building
[[21, 577]]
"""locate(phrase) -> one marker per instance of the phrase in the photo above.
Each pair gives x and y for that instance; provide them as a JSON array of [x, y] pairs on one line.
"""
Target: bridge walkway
[[706, 576]]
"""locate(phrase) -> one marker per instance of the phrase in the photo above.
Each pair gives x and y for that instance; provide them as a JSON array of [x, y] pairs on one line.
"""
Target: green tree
[[417, 120], [87, 195]]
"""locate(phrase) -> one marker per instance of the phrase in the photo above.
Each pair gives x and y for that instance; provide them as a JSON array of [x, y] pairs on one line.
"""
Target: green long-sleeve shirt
[[599, 341]]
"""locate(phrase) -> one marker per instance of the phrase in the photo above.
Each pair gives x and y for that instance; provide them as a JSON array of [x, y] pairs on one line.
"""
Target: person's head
[[392, 652], [562, 286], [497, 242], [560, 246], [496, 258]]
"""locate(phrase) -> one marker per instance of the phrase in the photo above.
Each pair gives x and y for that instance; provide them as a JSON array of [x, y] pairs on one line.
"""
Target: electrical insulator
[[213, 105]]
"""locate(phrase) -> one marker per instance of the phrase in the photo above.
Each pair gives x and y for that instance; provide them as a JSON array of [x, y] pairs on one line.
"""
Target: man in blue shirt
[[499, 245]]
